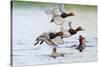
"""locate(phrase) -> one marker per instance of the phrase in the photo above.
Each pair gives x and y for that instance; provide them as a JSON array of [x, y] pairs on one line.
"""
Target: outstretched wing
[[55, 11], [61, 7], [70, 25]]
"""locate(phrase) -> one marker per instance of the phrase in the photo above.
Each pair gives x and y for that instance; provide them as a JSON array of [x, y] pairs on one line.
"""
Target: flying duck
[[55, 38], [62, 16], [51, 39], [59, 15], [71, 31]]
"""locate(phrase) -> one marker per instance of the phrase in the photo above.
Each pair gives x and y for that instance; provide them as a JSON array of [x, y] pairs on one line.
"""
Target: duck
[[71, 31], [56, 38], [51, 39], [59, 15], [82, 44], [63, 15]]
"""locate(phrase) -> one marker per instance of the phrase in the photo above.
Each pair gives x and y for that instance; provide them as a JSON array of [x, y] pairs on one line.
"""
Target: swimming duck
[[82, 44]]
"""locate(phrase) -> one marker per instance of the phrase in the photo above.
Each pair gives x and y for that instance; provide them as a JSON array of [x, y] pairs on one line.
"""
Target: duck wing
[[57, 40], [61, 7]]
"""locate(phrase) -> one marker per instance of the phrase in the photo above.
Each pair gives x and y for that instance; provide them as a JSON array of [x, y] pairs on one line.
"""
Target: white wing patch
[[58, 40]]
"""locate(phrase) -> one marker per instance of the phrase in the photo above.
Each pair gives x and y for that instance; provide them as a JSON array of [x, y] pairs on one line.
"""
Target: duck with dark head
[[55, 38], [51, 39], [63, 16], [82, 44], [71, 31]]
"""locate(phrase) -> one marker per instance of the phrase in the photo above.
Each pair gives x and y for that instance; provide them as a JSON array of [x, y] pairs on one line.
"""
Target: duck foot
[[80, 48], [56, 55], [53, 56]]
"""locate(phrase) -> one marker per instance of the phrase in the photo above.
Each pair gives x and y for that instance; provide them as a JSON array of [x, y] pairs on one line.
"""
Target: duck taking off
[[56, 38], [51, 39]]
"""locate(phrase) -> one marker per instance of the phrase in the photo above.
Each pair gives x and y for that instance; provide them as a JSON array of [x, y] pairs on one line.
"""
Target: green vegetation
[[28, 4]]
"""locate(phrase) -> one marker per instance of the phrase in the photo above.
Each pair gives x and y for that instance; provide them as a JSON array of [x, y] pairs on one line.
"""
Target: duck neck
[[60, 34], [77, 30], [64, 15], [52, 35], [69, 14], [72, 31]]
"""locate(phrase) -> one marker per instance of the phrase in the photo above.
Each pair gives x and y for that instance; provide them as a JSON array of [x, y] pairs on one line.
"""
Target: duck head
[[64, 15], [79, 29], [71, 14], [80, 36]]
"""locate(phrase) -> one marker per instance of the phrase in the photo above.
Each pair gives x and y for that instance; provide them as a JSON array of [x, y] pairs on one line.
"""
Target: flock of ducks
[[56, 38]]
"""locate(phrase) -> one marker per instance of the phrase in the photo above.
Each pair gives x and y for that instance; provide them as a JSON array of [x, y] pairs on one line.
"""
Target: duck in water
[[82, 44]]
